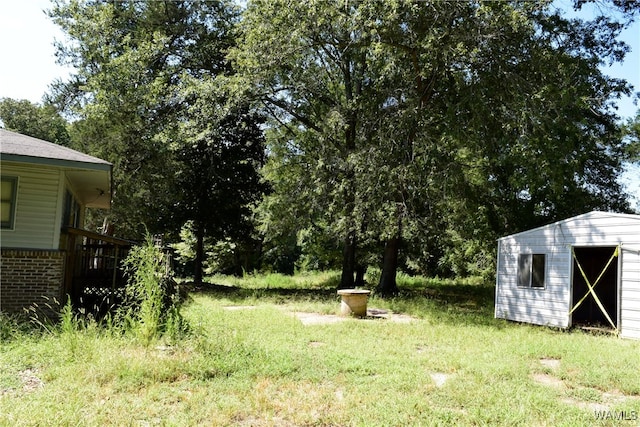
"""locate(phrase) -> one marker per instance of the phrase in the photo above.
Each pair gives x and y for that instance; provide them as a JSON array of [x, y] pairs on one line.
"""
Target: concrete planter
[[354, 302]]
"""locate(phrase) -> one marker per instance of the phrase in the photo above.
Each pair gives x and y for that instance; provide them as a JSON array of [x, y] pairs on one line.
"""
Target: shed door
[[593, 261]]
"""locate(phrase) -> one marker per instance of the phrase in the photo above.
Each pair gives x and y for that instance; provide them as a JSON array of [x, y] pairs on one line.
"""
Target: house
[[583, 270], [45, 253]]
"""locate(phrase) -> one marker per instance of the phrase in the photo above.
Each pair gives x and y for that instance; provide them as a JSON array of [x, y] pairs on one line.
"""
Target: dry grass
[[451, 364]]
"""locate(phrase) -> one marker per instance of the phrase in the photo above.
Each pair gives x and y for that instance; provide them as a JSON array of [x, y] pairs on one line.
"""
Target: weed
[[10, 327], [45, 315], [152, 303]]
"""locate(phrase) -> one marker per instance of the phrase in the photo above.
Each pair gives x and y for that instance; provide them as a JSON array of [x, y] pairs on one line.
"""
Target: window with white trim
[[8, 193], [531, 270]]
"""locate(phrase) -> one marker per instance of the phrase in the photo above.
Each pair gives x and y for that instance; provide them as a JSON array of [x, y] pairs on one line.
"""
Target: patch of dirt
[[439, 378], [550, 363], [377, 313], [326, 319], [616, 396], [548, 380], [604, 403], [591, 406], [30, 380], [316, 344], [372, 314], [608, 399], [317, 318]]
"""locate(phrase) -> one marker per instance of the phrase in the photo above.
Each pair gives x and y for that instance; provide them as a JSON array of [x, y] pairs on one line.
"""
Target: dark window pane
[[524, 270], [537, 279], [8, 201]]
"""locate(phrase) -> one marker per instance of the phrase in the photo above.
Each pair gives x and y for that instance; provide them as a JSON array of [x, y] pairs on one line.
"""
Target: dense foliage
[[149, 94], [39, 121], [632, 131], [400, 134], [433, 127]]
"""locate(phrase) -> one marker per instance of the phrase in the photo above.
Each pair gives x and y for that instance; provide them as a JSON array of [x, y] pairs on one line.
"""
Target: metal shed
[[584, 270]]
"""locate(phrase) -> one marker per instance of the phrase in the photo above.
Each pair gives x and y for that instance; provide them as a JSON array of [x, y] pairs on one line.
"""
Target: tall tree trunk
[[197, 274], [348, 261], [349, 250], [387, 286]]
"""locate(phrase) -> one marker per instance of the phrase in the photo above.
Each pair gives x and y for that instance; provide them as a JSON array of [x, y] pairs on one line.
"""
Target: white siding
[[37, 205], [595, 228], [630, 295], [551, 306], [548, 306]]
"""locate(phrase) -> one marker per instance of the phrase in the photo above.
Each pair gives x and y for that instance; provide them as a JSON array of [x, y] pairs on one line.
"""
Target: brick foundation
[[31, 279]]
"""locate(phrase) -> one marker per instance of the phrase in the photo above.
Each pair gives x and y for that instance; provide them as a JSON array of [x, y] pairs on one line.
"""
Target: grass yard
[[252, 360]]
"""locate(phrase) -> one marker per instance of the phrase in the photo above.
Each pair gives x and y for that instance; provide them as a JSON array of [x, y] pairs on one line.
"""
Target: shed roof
[[89, 176], [589, 216]]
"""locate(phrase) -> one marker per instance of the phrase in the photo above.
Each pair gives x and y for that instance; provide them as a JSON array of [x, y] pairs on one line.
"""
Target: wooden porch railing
[[94, 276]]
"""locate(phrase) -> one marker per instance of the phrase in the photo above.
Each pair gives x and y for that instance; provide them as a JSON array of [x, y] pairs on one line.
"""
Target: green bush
[[151, 306]]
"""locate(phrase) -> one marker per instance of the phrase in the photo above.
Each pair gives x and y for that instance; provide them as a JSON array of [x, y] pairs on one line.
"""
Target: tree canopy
[[147, 97], [407, 123], [632, 132], [403, 134], [39, 121]]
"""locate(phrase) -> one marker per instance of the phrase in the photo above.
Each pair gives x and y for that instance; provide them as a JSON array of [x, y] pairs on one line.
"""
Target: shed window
[[531, 270], [8, 194]]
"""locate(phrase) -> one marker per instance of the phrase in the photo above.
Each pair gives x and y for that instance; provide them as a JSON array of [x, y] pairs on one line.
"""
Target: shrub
[[151, 304]]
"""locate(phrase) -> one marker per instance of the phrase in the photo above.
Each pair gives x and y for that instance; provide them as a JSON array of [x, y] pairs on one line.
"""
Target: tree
[[422, 52], [39, 121], [528, 81], [129, 58], [306, 62], [415, 118], [217, 179], [632, 132], [559, 156], [148, 98]]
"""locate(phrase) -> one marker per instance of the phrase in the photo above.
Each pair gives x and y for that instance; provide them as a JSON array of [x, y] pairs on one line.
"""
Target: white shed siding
[[548, 306], [551, 305], [36, 210], [630, 295]]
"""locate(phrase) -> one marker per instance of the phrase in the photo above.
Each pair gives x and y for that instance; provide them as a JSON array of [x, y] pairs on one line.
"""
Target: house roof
[[89, 176], [26, 149], [589, 216]]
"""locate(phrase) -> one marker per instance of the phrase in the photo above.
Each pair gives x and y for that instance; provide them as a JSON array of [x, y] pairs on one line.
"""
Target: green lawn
[[261, 366]]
